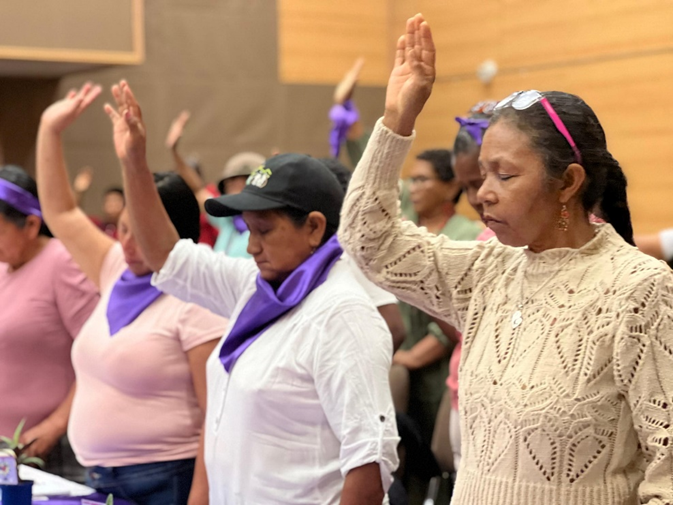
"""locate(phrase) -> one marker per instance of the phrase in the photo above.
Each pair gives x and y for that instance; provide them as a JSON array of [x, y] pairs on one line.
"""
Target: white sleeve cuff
[[666, 238], [382, 451]]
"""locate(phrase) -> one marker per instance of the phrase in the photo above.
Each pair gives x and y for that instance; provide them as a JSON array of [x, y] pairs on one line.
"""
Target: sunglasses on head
[[524, 99]]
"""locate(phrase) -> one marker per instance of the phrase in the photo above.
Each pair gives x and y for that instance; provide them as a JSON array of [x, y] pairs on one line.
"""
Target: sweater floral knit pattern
[[572, 407]]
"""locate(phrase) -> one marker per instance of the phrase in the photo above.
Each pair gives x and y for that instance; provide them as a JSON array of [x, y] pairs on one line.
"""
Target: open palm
[[177, 129], [63, 113], [128, 128], [413, 75]]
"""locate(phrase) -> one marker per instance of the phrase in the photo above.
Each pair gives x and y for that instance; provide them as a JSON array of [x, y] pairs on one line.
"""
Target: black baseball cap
[[287, 180]]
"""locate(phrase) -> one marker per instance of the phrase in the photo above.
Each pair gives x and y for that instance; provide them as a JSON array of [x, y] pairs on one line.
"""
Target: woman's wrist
[[135, 164], [398, 124]]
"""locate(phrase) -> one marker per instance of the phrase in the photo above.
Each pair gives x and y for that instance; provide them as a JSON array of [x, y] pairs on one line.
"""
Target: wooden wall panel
[[319, 41], [101, 32], [531, 33]]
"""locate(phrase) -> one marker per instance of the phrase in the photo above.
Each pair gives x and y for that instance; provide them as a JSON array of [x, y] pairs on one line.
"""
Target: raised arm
[[152, 228], [190, 176], [81, 183], [426, 270], [86, 243]]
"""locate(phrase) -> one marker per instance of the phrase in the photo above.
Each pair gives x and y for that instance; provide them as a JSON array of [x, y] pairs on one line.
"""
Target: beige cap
[[242, 164]]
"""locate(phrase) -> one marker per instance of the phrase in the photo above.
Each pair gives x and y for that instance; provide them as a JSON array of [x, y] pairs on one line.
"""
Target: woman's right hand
[[411, 80], [58, 116]]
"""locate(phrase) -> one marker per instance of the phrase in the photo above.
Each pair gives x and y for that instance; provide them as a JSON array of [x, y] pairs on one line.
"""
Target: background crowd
[[248, 340]]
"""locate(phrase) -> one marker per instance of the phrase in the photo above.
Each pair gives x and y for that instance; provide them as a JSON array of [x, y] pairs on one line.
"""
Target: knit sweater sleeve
[[644, 373], [428, 271]]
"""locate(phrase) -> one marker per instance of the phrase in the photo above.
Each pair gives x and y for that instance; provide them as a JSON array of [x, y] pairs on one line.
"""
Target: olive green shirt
[[428, 383]]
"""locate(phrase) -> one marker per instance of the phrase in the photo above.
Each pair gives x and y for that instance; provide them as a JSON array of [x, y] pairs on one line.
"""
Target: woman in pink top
[[45, 299], [140, 359]]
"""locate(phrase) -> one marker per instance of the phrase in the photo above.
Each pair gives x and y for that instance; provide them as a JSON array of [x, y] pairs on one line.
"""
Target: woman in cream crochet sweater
[[567, 366]]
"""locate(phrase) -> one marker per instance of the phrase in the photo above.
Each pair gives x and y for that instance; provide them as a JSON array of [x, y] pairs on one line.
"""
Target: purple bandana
[[19, 198], [239, 224], [129, 297], [265, 306], [343, 117], [474, 127]]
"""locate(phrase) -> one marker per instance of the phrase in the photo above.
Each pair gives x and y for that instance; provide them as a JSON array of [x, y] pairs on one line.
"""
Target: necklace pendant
[[517, 319]]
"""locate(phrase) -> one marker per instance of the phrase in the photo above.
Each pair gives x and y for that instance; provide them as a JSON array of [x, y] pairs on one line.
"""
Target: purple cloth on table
[[70, 500], [77, 500], [266, 306]]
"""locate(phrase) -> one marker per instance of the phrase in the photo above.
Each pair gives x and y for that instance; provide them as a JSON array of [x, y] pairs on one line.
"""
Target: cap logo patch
[[259, 177]]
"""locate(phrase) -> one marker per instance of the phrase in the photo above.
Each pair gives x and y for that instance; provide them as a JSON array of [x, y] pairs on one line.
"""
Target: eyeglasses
[[421, 179], [523, 99]]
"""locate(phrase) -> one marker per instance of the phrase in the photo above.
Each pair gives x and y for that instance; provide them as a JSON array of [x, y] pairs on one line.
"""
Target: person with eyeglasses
[[425, 353], [566, 373]]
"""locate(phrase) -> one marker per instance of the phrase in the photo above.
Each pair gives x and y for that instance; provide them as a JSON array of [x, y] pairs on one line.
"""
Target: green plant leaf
[[17, 433], [8, 452], [8, 442], [31, 460], [110, 500]]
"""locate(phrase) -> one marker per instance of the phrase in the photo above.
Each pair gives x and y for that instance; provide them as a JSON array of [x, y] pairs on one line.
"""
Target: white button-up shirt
[[307, 402]]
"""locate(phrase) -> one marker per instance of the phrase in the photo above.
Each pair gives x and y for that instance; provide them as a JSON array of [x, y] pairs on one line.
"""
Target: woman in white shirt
[[299, 402]]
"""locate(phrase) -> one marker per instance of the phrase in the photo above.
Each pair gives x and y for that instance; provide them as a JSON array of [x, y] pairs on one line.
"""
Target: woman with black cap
[[299, 406]]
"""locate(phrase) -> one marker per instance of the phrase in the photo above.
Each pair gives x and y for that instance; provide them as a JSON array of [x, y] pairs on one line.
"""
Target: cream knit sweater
[[573, 407]]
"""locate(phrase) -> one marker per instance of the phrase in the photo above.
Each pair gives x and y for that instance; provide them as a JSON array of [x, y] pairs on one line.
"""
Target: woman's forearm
[[151, 225], [363, 486], [424, 353], [369, 219], [59, 418], [198, 495], [52, 174]]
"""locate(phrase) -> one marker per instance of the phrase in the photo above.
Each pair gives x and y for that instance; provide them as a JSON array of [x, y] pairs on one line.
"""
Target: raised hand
[[413, 75], [83, 180], [176, 130], [128, 127], [346, 86], [58, 116]]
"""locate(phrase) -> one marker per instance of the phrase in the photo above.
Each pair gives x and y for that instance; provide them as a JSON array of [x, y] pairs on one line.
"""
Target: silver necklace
[[517, 316]]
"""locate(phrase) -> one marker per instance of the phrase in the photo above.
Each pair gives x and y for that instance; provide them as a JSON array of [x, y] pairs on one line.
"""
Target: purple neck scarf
[[265, 306], [343, 117], [130, 296], [474, 127], [19, 198], [239, 224]]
